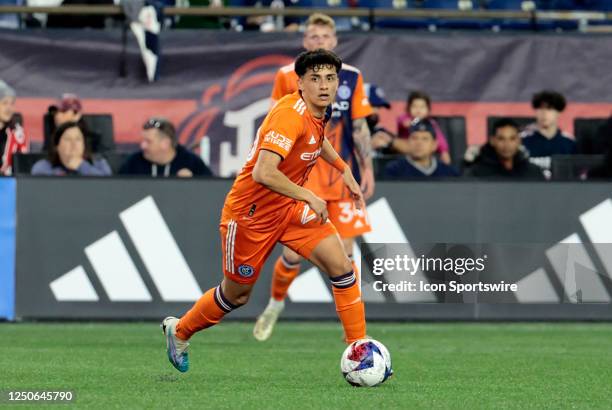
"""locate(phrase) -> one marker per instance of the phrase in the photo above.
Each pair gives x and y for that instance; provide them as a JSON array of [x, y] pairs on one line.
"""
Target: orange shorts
[[348, 220], [246, 242]]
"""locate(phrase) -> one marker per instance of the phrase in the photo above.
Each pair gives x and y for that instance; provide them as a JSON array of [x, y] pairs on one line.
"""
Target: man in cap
[[421, 161]]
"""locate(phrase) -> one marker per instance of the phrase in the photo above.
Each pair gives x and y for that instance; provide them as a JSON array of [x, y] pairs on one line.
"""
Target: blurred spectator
[[421, 161], [502, 157], [12, 136], [161, 155], [70, 109], [70, 155], [381, 137], [544, 138], [419, 107], [207, 22], [604, 171], [10, 20]]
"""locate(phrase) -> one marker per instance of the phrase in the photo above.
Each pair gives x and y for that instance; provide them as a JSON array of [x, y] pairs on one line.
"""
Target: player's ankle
[[276, 304]]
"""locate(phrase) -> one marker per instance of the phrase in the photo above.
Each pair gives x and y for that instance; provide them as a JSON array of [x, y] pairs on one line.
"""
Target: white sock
[[276, 304]]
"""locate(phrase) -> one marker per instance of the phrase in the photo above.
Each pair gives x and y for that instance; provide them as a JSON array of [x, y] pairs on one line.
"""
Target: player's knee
[[240, 299], [291, 257], [235, 293], [341, 267]]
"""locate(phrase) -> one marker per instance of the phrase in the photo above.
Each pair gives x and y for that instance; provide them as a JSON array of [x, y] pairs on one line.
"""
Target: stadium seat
[[521, 121], [504, 4], [440, 4], [100, 123], [115, 160], [586, 131], [455, 132], [573, 167], [23, 163]]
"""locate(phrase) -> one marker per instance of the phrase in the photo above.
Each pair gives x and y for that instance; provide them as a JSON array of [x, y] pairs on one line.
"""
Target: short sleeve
[[279, 90], [282, 131], [360, 104]]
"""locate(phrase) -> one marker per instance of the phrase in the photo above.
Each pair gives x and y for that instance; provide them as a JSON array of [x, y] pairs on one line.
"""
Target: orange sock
[[284, 273], [357, 274], [349, 306], [207, 312]]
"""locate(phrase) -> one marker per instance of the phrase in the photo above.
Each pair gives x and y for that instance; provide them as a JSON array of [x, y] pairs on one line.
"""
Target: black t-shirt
[[136, 164]]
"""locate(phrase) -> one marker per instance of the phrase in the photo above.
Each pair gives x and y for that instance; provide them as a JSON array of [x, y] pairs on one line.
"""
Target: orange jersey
[[351, 103], [292, 132]]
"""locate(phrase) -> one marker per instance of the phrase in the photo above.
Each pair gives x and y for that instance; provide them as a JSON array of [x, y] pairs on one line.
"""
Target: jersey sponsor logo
[[246, 271], [341, 106], [344, 92], [276, 138], [310, 156]]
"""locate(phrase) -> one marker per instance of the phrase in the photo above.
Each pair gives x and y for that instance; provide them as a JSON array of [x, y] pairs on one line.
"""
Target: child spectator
[[419, 107]]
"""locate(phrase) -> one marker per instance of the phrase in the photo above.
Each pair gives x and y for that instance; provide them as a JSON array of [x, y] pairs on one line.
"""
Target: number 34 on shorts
[[348, 220]]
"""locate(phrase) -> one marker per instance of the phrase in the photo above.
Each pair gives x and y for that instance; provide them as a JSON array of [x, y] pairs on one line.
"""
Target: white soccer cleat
[[266, 321], [175, 348]]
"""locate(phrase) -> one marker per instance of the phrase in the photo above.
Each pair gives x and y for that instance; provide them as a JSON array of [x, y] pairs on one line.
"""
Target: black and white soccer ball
[[366, 363]]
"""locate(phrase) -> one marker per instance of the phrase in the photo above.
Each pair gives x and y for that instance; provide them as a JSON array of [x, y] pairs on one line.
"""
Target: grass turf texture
[[436, 366]]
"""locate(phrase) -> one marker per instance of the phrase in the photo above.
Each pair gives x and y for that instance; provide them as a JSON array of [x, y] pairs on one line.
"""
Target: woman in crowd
[[70, 155]]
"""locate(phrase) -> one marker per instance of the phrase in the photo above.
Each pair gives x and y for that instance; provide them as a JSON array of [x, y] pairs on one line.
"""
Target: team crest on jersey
[[344, 92], [246, 271]]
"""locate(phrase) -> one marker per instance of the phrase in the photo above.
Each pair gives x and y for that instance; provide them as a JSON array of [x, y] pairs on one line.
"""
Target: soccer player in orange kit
[[349, 134], [268, 204]]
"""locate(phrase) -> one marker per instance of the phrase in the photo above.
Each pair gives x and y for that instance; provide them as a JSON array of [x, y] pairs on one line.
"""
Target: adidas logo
[[572, 265], [117, 272], [313, 140]]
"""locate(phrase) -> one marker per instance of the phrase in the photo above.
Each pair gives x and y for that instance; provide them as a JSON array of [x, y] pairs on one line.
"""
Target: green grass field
[[436, 366]]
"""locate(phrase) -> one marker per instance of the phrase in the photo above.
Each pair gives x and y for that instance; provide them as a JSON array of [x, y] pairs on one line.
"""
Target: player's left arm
[[363, 142], [329, 155], [360, 109]]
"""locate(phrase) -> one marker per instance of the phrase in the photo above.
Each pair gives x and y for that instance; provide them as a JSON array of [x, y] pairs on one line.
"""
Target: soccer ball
[[366, 363]]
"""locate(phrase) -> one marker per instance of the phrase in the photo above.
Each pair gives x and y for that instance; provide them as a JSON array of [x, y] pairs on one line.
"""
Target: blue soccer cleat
[[175, 347]]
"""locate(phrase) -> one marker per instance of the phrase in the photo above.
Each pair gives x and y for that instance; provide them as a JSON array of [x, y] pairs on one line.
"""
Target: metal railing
[[371, 13]]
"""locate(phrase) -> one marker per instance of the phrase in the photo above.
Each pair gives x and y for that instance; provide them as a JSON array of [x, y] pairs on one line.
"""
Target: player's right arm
[[281, 132], [266, 173]]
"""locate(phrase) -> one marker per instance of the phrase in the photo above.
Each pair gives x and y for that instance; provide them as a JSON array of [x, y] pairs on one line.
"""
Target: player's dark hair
[[548, 99], [503, 123], [418, 95], [315, 60]]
